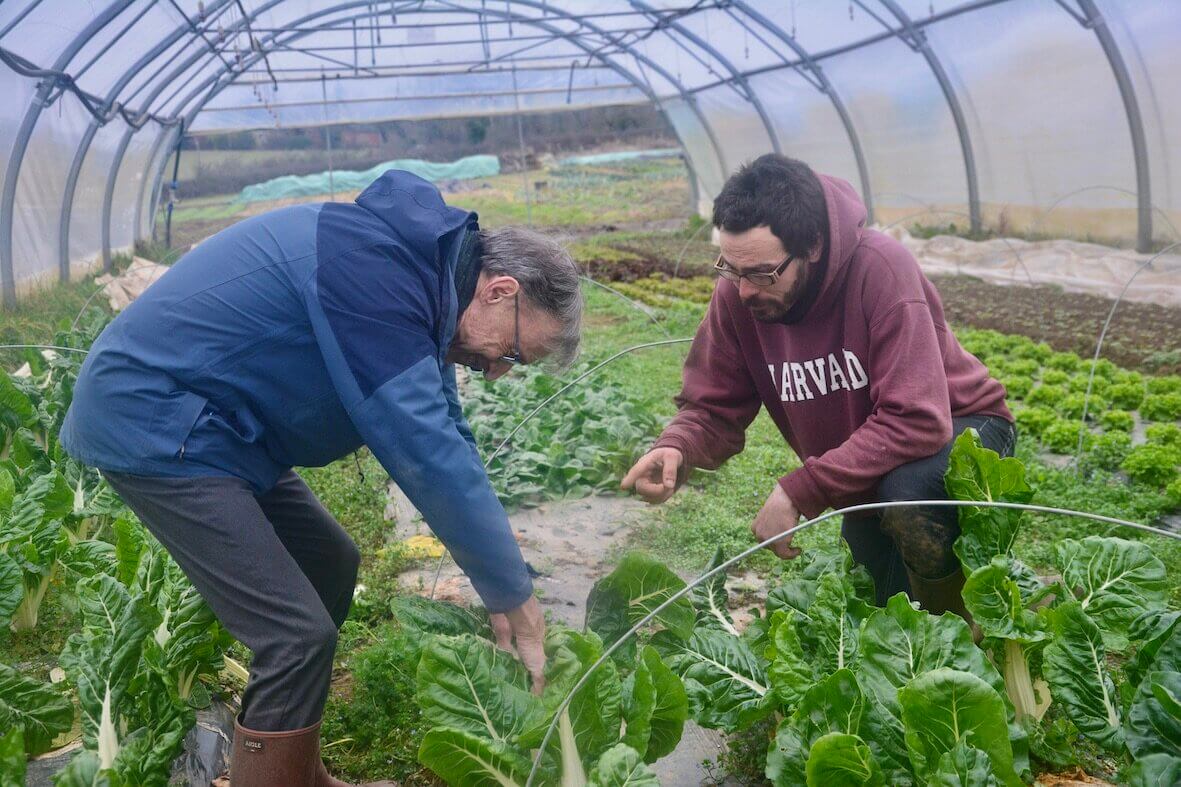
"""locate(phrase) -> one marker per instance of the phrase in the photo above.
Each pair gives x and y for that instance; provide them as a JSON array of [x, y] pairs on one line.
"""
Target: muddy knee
[[924, 541]]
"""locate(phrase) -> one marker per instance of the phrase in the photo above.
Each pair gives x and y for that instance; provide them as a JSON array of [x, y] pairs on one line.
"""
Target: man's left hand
[[777, 515]]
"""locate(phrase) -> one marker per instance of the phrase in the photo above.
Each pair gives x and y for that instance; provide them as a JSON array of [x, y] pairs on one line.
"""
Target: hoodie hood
[[414, 209], [846, 222]]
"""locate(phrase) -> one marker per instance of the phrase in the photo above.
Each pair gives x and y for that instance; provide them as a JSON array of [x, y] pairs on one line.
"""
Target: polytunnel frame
[[738, 79], [448, 9], [92, 128], [910, 33]]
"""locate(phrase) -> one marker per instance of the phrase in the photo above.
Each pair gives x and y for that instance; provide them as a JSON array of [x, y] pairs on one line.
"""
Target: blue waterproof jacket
[[292, 338]]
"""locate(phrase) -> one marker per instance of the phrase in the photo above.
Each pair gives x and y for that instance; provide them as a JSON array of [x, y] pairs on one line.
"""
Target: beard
[[775, 308]]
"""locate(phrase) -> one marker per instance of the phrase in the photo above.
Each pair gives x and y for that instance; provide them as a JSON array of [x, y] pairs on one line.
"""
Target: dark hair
[[777, 192]]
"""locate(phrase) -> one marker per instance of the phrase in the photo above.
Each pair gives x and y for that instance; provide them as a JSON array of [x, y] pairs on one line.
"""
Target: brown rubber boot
[[282, 759], [275, 759], [942, 595]]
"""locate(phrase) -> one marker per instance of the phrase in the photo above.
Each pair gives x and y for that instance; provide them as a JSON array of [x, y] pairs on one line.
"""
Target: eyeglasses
[[515, 358], [759, 278]]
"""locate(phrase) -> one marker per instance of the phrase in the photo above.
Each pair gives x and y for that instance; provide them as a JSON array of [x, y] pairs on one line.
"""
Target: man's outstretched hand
[[777, 515], [525, 624], [655, 475]]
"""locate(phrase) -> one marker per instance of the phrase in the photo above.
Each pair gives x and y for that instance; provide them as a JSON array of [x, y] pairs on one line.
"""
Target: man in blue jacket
[[291, 339]]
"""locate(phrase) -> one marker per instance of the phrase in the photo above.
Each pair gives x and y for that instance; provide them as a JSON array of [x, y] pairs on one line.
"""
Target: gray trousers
[[277, 570], [888, 541]]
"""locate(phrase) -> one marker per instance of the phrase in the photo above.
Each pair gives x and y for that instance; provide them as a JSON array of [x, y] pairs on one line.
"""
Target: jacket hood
[[846, 222], [414, 209]]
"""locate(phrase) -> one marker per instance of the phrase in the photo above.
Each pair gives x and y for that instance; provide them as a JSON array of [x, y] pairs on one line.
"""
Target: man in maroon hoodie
[[834, 329]]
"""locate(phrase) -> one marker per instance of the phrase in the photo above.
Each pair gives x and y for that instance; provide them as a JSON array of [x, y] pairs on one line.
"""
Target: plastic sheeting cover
[[353, 180]]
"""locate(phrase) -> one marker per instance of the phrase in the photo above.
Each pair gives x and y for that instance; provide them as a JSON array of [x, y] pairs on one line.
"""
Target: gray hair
[[549, 279]]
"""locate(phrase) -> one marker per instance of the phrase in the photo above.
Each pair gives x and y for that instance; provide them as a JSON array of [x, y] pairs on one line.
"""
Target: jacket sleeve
[[718, 399], [374, 316], [911, 417], [455, 409]]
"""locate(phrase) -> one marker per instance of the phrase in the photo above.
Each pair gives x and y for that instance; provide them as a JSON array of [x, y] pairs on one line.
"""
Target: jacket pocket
[[171, 421]]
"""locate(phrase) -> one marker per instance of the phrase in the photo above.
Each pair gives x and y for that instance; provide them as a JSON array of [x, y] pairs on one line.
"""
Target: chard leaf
[[461, 759], [12, 587], [622, 766], [709, 599], [1074, 664], [87, 558], [146, 755], [725, 681], [790, 672], [834, 635], [37, 708], [964, 766], [1114, 579], [83, 771], [130, 542], [53, 493], [978, 473], [839, 759], [945, 707], [425, 616], [835, 704], [596, 712], [1154, 722], [467, 683], [12, 756], [1155, 770], [628, 594], [899, 643], [837, 559], [103, 659], [7, 490], [881, 728], [655, 707], [1158, 634], [794, 594], [15, 401], [993, 598], [191, 636]]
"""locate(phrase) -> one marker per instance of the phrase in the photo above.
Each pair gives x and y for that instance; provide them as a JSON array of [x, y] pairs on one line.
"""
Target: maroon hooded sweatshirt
[[868, 380]]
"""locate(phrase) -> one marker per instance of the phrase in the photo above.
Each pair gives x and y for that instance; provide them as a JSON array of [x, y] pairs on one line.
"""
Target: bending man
[[292, 339]]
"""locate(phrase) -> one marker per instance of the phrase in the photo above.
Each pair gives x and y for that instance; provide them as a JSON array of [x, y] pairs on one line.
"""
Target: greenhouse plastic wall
[[1066, 118]]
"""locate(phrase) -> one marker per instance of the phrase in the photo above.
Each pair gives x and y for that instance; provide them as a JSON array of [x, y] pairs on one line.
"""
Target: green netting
[[627, 155], [351, 180]]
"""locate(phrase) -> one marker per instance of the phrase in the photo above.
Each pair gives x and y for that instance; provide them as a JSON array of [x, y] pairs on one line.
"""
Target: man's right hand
[[655, 475], [526, 625]]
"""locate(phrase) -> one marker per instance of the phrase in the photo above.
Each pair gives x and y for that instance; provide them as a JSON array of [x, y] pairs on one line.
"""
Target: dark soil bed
[[1142, 336]]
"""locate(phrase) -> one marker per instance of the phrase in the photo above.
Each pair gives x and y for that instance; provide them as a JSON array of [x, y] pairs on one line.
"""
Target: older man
[[834, 329], [292, 339]]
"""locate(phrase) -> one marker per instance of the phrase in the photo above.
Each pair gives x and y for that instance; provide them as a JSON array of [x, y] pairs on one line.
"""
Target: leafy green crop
[[1034, 420], [1161, 407], [860, 695], [1062, 436], [1117, 421], [1155, 465], [582, 442], [1127, 396], [485, 722], [146, 638]]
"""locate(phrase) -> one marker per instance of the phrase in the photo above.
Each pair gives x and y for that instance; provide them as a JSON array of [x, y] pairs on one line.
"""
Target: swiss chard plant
[[146, 641], [486, 725]]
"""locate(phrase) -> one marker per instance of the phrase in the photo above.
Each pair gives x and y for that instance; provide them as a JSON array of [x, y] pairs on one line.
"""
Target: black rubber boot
[[942, 595]]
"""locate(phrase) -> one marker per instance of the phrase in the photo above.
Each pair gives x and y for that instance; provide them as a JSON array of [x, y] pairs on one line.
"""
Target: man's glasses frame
[[515, 359], [758, 278]]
